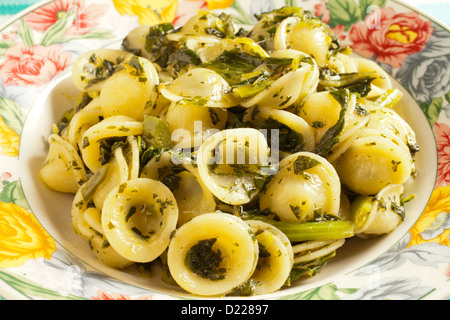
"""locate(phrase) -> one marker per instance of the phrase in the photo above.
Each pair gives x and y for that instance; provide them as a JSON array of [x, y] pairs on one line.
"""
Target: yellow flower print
[[149, 12], [21, 237], [436, 209], [217, 4], [9, 140]]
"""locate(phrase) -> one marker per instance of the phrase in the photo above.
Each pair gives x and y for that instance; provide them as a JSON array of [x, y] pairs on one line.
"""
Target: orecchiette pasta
[[138, 218], [63, 169], [109, 128], [229, 163], [241, 160], [212, 254], [275, 257], [306, 186]]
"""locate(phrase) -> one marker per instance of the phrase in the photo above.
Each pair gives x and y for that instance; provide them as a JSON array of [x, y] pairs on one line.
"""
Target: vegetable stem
[[312, 230]]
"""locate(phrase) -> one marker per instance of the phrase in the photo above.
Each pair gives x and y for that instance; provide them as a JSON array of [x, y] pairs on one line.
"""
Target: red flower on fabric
[[442, 132], [103, 295], [86, 16], [394, 37], [36, 65]]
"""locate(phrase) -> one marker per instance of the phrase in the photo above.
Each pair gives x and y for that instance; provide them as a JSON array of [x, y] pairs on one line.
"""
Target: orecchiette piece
[[230, 164], [291, 88], [380, 214], [191, 124], [130, 89], [299, 132], [63, 169], [212, 254], [83, 120], [310, 36], [92, 68], [112, 127], [199, 86], [306, 185], [275, 257], [373, 162], [193, 198], [138, 218], [86, 221]]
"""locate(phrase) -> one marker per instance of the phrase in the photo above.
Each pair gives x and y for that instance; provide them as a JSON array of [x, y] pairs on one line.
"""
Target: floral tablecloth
[[409, 250], [439, 9]]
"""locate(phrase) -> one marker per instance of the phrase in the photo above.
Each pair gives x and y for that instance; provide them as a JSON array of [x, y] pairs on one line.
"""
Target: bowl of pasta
[[223, 149]]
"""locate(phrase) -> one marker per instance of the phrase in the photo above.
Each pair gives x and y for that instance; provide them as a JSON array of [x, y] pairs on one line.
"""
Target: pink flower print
[[442, 132], [321, 11], [85, 21], [397, 36], [36, 65]]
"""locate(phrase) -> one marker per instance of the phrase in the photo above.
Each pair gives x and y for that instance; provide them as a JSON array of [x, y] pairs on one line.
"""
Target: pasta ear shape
[[310, 36], [275, 257], [294, 133], [193, 198], [291, 87], [63, 169], [231, 164], [130, 89], [190, 124], [379, 214], [86, 221], [373, 162], [92, 68], [138, 218], [212, 254], [83, 120], [306, 186], [200, 86], [112, 127]]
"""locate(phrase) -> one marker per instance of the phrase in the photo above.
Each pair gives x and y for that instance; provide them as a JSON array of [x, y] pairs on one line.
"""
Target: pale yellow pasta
[[291, 88], [158, 167], [246, 45], [88, 66], [229, 151], [116, 174], [228, 238], [264, 117], [138, 218], [309, 36], [131, 89], [193, 198], [191, 124], [305, 186], [83, 120], [321, 111], [384, 212], [378, 85], [373, 162], [185, 146], [388, 120], [309, 251], [343, 63], [112, 127], [63, 169], [86, 223], [275, 258], [200, 86]]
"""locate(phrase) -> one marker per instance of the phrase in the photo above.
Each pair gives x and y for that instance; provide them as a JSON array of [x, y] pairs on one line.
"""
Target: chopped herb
[[204, 261], [214, 116], [331, 136], [303, 163], [130, 213]]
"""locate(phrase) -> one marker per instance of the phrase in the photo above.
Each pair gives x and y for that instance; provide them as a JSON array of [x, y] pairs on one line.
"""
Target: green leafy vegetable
[[312, 230], [204, 261]]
